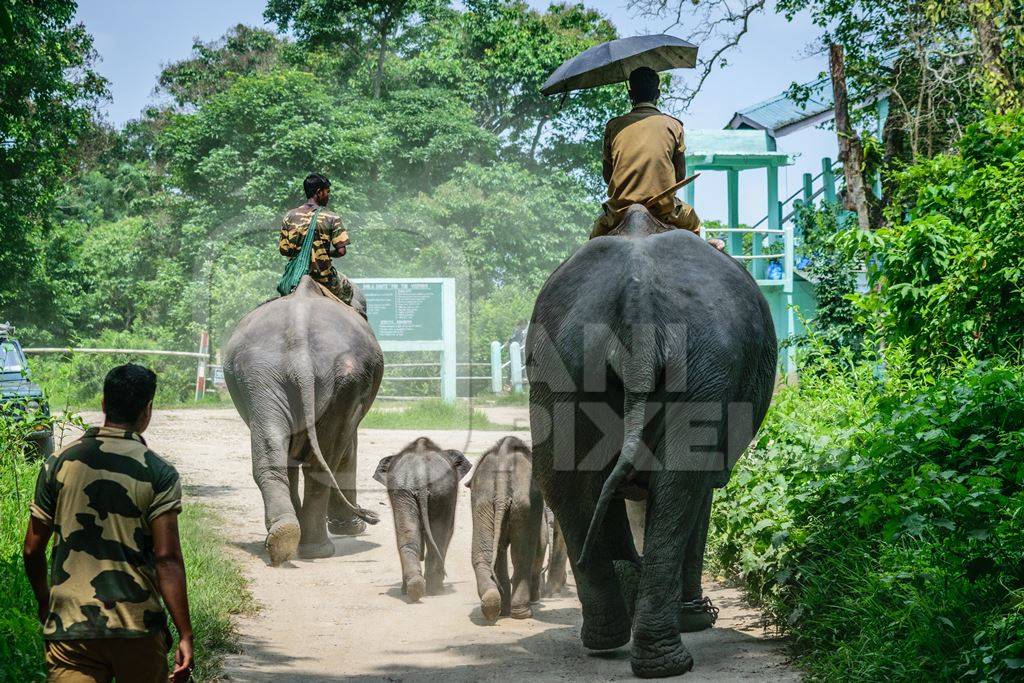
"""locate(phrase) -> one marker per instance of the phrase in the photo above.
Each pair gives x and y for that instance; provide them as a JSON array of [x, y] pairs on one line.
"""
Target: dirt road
[[345, 617]]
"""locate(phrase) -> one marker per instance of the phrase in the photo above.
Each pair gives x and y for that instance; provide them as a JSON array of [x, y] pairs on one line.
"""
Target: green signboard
[[407, 311]]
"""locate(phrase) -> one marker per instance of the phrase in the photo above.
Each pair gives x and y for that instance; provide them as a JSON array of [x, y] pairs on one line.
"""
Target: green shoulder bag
[[299, 265]]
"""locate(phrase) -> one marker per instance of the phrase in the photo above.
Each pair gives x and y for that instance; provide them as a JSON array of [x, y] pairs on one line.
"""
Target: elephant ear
[[459, 462], [381, 474]]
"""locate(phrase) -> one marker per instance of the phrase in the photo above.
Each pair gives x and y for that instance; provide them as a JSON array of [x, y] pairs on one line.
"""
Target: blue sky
[[135, 38]]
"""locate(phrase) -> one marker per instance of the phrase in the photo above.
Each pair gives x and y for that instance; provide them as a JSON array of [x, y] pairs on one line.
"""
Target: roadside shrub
[[883, 533]]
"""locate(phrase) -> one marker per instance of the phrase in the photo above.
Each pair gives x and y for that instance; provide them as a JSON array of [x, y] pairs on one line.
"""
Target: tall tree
[[367, 26], [48, 92], [851, 151]]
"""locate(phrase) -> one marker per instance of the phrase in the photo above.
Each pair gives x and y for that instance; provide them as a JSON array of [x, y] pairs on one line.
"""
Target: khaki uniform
[[331, 235], [639, 147], [100, 496]]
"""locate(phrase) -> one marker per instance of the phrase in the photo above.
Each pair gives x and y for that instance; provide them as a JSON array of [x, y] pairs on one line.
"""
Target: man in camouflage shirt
[[111, 506], [330, 239]]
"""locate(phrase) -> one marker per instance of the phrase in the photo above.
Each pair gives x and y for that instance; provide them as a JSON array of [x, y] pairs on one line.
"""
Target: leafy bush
[[953, 262], [879, 523]]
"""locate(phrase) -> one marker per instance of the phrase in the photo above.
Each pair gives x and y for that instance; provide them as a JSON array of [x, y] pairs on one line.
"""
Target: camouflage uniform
[[100, 496], [331, 235]]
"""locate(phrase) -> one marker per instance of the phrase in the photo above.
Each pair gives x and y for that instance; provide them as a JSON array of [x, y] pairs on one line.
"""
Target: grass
[[217, 589], [427, 414]]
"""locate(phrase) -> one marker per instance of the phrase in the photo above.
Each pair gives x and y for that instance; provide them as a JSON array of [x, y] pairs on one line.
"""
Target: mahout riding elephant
[[303, 371], [553, 543], [423, 486], [507, 515], [651, 358]]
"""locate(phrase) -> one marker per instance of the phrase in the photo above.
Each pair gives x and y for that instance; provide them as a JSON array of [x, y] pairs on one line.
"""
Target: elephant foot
[[658, 659], [435, 587], [490, 604], [604, 634], [521, 612], [316, 551], [415, 588], [697, 615], [283, 540], [346, 527]]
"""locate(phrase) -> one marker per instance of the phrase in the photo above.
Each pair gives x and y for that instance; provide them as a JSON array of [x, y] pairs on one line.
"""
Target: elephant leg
[[524, 530], [294, 468], [675, 502], [501, 576], [269, 443], [636, 510], [483, 562], [409, 537], [341, 521], [696, 613], [537, 571], [314, 543], [442, 524], [556, 564], [606, 622]]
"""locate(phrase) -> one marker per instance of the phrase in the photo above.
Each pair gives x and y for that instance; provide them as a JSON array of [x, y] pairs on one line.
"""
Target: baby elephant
[[507, 512], [423, 484]]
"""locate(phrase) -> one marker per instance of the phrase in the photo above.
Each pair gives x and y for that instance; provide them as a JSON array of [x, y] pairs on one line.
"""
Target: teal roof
[[722, 149], [782, 115]]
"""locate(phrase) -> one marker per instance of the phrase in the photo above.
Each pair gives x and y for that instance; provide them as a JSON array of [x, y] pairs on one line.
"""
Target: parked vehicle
[[21, 398]]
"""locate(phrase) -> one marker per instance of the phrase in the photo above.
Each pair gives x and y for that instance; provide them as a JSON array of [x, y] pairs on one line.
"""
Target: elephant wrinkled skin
[[507, 515], [303, 370], [651, 360], [423, 487]]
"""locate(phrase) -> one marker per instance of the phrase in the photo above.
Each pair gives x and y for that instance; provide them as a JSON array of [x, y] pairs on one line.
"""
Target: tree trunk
[[536, 137], [378, 74], [1000, 83], [851, 154]]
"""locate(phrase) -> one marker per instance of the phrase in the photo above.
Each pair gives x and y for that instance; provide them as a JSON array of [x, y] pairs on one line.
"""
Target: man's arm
[[284, 243], [34, 556], [339, 238], [170, 579], [679, 161]]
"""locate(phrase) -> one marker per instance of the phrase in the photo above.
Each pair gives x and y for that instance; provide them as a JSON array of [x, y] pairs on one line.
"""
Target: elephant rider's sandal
[[697, 615]]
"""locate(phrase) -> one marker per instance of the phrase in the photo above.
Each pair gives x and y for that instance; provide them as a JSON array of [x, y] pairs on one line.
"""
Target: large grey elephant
[[507, 515], [651, 358], [303, 370], [423, 487]]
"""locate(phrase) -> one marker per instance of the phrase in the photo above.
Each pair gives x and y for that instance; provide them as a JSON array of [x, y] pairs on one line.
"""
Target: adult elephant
[[303, 371], [651, 358]]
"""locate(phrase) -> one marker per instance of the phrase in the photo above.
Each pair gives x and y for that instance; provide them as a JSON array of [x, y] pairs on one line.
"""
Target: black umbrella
[[612, 62]]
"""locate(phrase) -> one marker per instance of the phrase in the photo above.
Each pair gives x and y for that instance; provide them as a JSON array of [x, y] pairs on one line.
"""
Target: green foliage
[[952, 264], [878, 521], [49, 91]]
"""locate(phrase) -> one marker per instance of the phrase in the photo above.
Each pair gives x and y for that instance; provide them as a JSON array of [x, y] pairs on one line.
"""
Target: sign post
[[415, 314]]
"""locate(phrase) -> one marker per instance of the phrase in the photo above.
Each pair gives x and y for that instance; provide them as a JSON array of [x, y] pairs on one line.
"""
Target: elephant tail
[[309, 413], [635, 405], [421, 498], [500, 509]]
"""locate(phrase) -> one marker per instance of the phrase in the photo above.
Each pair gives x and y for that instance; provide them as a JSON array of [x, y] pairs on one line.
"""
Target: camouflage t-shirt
[[100, 496], [331, 233]]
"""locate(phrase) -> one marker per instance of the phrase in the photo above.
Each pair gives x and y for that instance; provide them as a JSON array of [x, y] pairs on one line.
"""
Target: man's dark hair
[[643, 84], [315, 182], [127, 390]]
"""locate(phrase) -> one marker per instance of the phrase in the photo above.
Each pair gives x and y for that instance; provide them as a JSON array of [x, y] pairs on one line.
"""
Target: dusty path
[[345, 617]]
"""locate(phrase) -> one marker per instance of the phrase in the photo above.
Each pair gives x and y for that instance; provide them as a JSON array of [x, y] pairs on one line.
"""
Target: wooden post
[[850, 151], [808, 188], [515, 356], [735, 238], [204, 348], [828, 180], [495, 367]]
